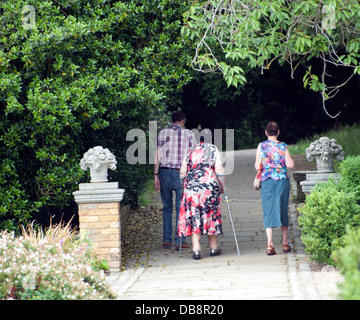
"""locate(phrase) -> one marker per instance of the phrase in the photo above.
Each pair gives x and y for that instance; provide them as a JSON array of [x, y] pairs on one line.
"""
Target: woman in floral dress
[[200, 211]]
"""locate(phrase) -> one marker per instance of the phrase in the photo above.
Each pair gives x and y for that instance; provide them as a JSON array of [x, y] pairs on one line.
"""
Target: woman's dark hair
[[178, 116], [272, 128]]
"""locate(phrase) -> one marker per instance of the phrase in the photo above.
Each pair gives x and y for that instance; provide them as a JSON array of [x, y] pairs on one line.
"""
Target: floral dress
[[200, 211], [273, 162]]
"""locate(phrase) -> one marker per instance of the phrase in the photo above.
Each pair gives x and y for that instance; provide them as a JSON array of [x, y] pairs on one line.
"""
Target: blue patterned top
[[273, 160]]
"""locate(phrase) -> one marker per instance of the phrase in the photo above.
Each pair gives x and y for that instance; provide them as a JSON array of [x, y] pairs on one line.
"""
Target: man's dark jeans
[[169, 181]]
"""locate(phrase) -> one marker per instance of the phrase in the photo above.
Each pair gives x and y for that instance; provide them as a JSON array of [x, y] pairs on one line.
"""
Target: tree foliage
[[261, 32], [82, 73]]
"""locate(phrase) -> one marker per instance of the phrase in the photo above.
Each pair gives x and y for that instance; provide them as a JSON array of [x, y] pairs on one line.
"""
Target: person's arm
[[219, 169], [258, 158], [183, 169], [288, 160]]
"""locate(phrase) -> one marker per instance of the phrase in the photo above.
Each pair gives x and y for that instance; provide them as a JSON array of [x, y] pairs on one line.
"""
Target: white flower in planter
[[98, 160]]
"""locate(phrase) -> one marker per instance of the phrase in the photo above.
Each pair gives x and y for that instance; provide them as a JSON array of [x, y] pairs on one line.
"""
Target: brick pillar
[[99, 217]]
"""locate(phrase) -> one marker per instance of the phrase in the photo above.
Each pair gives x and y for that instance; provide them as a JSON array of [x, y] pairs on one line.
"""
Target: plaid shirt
[[174, 143]]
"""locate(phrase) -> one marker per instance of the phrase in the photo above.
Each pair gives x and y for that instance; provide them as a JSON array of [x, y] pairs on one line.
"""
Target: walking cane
[[182, 190], [231, 220]]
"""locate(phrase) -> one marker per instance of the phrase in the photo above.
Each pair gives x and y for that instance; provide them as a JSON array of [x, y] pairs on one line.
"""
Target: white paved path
[[250, 276]]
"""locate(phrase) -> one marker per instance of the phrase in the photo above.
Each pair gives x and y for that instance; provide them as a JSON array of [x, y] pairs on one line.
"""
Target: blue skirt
[[275, 200]]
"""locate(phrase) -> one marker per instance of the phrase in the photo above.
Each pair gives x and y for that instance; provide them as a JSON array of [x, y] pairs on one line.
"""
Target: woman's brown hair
[[272, 128]]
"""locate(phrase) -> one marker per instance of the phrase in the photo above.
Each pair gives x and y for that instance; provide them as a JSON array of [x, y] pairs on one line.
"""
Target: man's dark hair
[[178, 116], [272, 128]]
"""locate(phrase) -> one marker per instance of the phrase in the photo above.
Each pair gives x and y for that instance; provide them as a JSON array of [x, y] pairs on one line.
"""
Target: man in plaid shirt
[[173, 144]]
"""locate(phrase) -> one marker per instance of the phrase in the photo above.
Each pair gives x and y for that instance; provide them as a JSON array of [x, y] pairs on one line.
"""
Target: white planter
[[99, 161], [325, 165], [324, 151], [99, 174]]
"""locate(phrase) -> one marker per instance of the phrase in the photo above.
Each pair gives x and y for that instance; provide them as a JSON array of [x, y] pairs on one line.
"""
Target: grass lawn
[[348, 138]]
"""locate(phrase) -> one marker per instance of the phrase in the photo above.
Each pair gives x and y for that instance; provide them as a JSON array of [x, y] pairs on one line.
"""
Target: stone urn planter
[[98, 160], [324, 151]]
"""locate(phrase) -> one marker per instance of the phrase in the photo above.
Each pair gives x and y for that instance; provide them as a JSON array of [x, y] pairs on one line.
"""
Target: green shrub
[[350, 171], [325, 215], [348, 259], [89, 72], [51, 265]]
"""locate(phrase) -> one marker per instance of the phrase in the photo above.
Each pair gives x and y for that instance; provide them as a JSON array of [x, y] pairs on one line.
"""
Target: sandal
[[270, 250], [286, 248]]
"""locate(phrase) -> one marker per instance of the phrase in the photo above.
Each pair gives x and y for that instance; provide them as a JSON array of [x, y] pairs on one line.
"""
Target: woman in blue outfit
[[273, 159]]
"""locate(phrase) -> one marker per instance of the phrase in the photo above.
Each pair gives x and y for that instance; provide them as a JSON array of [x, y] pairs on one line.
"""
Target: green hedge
[[329, 210], [90, 71], [348, 260], [325, 215], [350, 171]]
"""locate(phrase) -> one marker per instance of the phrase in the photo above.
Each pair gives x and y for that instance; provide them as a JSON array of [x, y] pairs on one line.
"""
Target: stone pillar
[[99, 206], [300, 176], [314, 178], [99, 217]]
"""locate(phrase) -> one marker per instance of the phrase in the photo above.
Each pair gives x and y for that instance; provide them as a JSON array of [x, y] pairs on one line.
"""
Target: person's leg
[[166, 198], [270, 205], [213, 242], [178, 193], [284, 200], [284, 231], [270, 246], [195, 239], [214, 246], [284, 191], [286, 246], [269, 234]]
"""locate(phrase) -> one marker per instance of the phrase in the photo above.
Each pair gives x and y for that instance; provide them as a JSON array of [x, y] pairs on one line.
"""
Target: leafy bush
[[51, 265], [350, 171], [325, 215], [88, 73], [329, 209], [348, 259]]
